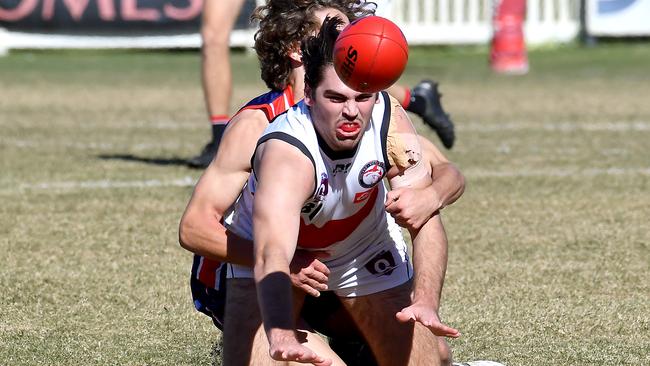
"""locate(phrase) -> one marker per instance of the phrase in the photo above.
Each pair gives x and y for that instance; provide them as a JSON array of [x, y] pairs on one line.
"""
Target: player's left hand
[[411, 207], [308, 273], [428, 317]]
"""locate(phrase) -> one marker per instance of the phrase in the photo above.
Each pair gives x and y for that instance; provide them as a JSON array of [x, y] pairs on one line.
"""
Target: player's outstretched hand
[[429, 318], [408, 208], [308, 273], [285, 347]]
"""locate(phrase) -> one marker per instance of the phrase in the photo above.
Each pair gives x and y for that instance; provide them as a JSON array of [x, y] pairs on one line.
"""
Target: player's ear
[[308, 95], [295, 54]]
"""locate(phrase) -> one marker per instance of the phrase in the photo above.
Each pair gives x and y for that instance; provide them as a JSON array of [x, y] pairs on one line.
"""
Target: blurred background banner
[[618, 17], [108, 16], [175, 23], [101, 16], [109, 24]]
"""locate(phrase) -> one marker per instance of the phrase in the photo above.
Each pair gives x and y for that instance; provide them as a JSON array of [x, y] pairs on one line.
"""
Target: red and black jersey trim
[[271, 103]]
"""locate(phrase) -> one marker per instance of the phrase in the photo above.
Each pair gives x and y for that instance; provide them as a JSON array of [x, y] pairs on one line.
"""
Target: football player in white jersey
[[294, 166], [201, 229]]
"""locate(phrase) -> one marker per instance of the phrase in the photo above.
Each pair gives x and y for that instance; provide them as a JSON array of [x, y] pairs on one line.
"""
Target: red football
[[370, 54]]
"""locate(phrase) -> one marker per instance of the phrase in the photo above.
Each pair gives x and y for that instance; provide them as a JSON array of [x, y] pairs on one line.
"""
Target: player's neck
[[297, 82]]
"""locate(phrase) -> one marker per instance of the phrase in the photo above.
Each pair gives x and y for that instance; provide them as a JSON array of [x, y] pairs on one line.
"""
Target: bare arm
[[200, 229], [433, 176], [430, 259], [285, 180], [430, 265], [422, 218], [448, 182]]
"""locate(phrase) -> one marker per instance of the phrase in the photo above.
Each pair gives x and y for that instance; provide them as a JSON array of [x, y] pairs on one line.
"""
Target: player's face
[[340, 114]]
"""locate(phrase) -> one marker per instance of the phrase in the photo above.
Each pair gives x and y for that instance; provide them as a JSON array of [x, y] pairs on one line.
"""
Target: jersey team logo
[[371, 174], [382, 264]]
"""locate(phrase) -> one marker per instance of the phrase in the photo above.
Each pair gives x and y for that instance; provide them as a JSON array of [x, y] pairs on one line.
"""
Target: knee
[[214, 37], [444, 351]]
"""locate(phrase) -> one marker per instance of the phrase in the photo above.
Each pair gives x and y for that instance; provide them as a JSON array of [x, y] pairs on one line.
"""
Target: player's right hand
[[308, 273], [283, 346]]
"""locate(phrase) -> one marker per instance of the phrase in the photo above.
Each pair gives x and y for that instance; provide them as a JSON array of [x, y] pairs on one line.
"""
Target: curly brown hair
[[285, 23]]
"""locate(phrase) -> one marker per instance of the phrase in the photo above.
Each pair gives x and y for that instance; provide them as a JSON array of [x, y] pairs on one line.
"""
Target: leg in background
[[218, 20]]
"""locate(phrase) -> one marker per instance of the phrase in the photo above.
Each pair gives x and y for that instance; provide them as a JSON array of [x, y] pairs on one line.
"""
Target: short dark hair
[[317, 51]]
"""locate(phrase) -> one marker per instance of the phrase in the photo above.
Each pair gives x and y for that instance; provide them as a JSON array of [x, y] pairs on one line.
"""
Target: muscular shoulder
[[283, 161], [239, 140], [248, 122]]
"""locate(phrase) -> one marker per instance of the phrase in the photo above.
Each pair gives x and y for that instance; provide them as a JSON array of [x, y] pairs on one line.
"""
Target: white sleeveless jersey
[[345, 216]]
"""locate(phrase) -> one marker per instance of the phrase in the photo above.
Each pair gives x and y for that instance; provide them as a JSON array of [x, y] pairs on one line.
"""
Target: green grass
[[549, 247]]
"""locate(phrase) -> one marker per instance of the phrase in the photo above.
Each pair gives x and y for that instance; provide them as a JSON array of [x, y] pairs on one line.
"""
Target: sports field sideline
[[549, 260]]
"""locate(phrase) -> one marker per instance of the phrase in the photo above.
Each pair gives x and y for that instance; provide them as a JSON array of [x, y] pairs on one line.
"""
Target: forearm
[[448, 184], [429, 262], [284, 183], [209, 238], [274, 292]]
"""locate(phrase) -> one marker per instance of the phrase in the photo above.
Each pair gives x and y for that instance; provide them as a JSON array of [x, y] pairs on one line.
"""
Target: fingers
[[391, 196], [439, 329], [299, 353], [429, 320], [442, 330], [312, 288], [326, 362], [321, 267], [312, 279], [314, 269], [405, 316], [288, 353], [315, 359], [317, 272]]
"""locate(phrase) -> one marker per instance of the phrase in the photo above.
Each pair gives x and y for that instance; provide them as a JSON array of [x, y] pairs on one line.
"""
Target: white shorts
[[379, 269]]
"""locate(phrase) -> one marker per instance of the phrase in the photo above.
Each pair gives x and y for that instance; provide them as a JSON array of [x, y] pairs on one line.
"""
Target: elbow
[[260, 269], [456, 183], [460, 178], [185, 235]]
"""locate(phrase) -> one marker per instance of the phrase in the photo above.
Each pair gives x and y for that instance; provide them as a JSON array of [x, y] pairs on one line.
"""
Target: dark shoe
[[202, 160], [425, 99]]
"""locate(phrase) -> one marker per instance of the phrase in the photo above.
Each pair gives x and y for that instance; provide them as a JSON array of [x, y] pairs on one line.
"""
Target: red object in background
[[508, 49]]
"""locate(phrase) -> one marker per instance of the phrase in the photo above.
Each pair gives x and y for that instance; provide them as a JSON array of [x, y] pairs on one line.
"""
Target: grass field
[[549, 247]]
